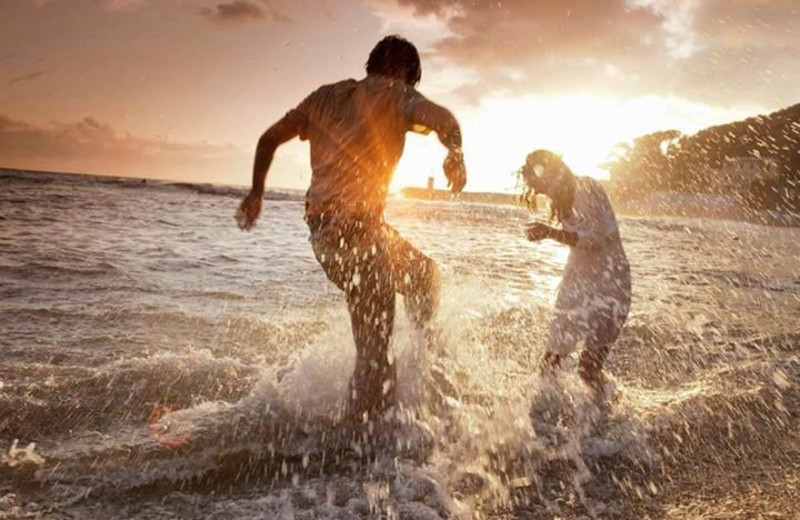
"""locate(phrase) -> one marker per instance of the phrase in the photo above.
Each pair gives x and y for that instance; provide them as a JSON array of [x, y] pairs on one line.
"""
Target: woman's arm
[[538, 231], [568, 238]]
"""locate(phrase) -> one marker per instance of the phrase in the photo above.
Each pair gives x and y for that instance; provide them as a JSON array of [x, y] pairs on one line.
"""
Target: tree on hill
[[644, 165], [667, 160]]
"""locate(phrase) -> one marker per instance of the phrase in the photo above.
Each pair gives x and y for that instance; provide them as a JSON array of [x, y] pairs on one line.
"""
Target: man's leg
[[416, 277], [354, 256], [371, 305]]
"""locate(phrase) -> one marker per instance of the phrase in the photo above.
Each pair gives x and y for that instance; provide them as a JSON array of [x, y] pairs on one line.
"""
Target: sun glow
[[500, 131]]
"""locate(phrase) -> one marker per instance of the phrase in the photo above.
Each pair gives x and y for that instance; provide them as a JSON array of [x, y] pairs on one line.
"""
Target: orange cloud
[[92, 146], [242, 11], [111, 5], [26, 77], [706, 50]]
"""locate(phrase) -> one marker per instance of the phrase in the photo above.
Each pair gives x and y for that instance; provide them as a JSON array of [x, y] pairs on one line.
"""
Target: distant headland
[[430, 193]]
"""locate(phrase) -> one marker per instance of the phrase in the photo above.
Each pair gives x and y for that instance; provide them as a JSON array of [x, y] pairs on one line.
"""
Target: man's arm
[[279, 133], [431, 116]]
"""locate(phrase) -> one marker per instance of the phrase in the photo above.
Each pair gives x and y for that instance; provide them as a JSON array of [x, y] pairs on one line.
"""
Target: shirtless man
[[356, 129]]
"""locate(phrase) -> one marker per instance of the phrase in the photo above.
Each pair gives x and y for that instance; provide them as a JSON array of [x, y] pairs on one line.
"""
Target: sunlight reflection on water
[[115, 313]]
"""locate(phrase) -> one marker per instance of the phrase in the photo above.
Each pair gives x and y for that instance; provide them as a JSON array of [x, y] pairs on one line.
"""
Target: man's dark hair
[[395, 54]]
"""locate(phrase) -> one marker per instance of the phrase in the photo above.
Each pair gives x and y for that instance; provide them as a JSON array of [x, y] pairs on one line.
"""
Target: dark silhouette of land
[[710, 162], [472, 196]]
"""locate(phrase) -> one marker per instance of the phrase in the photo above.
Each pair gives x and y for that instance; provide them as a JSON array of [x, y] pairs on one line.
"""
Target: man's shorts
[[364, 254]]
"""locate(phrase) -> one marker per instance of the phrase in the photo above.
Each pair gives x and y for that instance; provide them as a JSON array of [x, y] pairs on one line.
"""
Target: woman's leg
[[550, 362], [590, 366], [604, 330], [560, 342]]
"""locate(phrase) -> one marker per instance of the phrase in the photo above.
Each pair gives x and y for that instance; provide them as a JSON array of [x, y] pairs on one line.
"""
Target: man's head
[[395, 57]]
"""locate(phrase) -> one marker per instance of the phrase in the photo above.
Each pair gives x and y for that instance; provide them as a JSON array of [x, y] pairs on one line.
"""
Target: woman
[[595, 294]]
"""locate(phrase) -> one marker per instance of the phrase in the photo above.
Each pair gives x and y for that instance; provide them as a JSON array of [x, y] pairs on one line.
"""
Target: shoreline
[[657, 205]]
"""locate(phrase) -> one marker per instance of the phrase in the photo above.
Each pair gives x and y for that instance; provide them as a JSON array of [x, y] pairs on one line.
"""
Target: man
[[356, 130]]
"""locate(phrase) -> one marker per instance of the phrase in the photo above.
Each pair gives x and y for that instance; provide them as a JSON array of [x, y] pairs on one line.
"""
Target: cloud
[[122, 5], [677, 19], [92, 146], [110, 5], [27, 77], [237, 11], [243, 11], [620, 47], [557, 45]]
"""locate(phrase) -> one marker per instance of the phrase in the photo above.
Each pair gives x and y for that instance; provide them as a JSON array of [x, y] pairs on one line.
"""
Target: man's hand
[[538, 231], [248, 211], [455, 171]]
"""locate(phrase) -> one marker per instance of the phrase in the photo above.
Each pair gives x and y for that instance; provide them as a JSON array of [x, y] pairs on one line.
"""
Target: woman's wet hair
[[393, 55], [552, 169]]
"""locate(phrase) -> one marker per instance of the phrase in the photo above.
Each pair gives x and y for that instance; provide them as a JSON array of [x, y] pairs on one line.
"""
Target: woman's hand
[[538, 231], [248, 211]]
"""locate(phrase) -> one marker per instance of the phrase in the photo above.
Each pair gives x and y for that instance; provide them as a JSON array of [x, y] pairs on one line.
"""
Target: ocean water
[[156, 362]]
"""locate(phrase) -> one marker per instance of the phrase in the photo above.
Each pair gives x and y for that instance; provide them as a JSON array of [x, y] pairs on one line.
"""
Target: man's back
[[357, 133]]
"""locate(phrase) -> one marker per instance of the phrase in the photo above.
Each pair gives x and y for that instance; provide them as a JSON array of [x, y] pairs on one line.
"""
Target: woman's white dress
[[594, 296]]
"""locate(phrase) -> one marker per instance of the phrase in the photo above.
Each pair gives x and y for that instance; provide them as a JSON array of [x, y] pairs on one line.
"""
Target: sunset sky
[[182, 89]]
